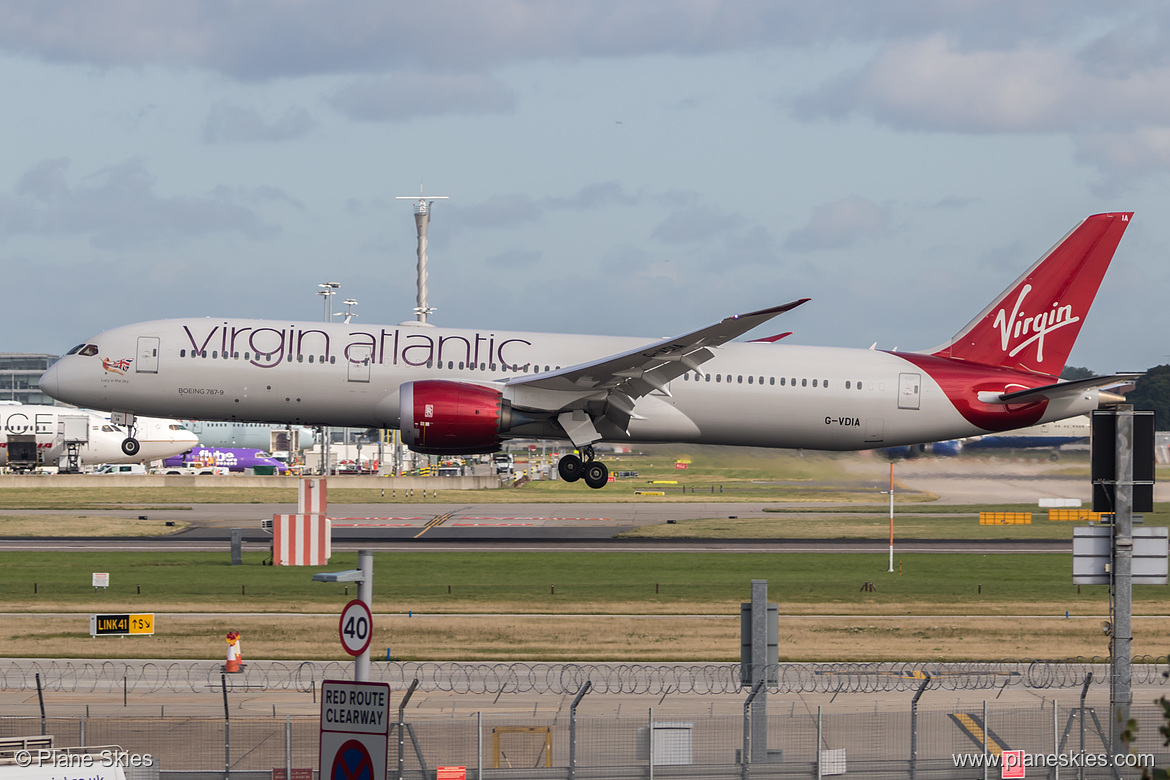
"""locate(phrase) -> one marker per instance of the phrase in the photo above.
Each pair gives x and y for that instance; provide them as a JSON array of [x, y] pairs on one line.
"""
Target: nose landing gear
[[572, 468], [130, 445]]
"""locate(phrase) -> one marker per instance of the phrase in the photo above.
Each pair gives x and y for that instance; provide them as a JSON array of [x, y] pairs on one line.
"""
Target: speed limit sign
[[356, 627]]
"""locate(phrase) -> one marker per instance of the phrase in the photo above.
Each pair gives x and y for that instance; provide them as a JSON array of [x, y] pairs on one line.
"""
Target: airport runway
[[505, 527], [590, 526]]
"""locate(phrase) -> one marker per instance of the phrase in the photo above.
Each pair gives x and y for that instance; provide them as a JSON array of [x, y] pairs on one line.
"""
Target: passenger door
[[147, 360], [909, 391], [359, 363]]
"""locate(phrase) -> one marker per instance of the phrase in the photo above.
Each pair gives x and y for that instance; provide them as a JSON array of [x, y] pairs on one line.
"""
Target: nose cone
[[48, 383], [186, 438]]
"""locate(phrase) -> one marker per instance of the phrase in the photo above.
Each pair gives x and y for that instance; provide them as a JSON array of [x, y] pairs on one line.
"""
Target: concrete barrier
[[244, 481]]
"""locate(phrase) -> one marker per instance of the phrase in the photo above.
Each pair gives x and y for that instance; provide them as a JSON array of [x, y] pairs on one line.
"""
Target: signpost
[[121, 625], [356, 626], [355, 729]]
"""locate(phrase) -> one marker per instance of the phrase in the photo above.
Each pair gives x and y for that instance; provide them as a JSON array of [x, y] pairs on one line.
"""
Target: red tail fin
[[1033, 324]]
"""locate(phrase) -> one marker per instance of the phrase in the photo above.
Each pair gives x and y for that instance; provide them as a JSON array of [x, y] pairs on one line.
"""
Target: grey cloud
[[696, 222], [407, 95], [117, 207], [606, 193], [840, 224], [1123, 158], [519, 209], [932, 84], [257, 196], [1136, 45], [497, 212], [236, 124], [264, 39], [514, 260]]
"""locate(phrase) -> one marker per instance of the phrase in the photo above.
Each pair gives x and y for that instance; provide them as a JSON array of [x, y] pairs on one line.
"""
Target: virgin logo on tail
[[1033, 327]]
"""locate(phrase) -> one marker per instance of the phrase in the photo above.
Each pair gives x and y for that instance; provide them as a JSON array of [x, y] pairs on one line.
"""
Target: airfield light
[[349, 313]]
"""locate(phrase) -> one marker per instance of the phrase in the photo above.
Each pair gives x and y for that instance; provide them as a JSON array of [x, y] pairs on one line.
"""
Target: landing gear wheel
[[596, 474], [131, 446], [570, 468]]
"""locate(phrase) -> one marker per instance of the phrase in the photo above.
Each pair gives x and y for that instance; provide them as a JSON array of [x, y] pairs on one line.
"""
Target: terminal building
[[19, 374]]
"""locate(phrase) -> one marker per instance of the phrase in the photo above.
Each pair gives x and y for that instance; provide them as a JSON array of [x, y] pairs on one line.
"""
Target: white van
[[121, 468]]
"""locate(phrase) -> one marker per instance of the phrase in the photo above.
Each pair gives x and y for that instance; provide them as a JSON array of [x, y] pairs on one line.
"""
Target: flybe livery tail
[[1033, 324], [460, 391]]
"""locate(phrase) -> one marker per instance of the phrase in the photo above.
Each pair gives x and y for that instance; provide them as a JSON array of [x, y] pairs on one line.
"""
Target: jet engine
[[441, 417]]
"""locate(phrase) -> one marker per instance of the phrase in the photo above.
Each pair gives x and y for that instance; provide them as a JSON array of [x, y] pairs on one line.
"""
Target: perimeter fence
[[800, 743], [566, 679]]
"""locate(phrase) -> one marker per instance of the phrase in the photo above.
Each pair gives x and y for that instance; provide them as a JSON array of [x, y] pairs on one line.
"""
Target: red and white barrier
[[311, 497], [304, 539], [301, 540]]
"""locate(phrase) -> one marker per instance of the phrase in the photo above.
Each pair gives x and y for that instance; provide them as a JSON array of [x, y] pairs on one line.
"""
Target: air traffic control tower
[[422, 218]]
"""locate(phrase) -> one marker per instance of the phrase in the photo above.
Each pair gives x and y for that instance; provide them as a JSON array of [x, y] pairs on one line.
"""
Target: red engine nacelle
[[441, 417]]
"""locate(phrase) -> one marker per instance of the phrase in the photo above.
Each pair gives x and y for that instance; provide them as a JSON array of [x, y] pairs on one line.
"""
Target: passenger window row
[[513, 368], [267, 356], [754, 380], [215, 355]]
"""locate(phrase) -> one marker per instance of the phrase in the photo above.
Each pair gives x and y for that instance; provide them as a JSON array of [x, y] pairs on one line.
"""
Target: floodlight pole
[[1121, 574], [327, 291], [422, 218], [891, 569]]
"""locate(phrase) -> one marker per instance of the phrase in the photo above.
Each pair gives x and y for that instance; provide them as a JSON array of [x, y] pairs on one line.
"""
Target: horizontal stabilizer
[[1051, 392], [771, 339]]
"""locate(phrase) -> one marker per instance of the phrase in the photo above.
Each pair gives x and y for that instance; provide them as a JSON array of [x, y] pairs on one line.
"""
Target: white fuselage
[[42, 425], [247, 435], [754, 394]]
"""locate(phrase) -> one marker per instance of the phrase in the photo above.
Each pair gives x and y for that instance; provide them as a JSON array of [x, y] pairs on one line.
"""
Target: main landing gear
[[572, 468]]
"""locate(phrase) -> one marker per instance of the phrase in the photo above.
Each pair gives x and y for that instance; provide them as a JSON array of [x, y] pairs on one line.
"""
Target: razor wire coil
[[74, 676]]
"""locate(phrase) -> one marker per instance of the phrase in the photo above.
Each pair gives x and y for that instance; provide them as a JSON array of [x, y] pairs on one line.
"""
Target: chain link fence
[[800, 744], [565, 679]]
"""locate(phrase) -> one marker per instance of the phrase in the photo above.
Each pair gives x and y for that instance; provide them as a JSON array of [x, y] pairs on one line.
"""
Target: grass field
[[563, 606], [548, 582], [601, 606], [941, 522], [728, 474]]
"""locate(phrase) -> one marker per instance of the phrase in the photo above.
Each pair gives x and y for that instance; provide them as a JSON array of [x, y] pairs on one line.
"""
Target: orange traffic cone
[[234, 653]]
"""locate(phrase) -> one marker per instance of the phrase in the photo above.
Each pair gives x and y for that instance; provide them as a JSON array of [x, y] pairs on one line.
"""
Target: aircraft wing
[[612, 384], [1075, 386]]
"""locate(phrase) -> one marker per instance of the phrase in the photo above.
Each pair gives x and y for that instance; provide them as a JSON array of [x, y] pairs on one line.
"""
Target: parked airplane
[[1058, 433], [466, 391], [259, 436], [232, 458], [31, 435]]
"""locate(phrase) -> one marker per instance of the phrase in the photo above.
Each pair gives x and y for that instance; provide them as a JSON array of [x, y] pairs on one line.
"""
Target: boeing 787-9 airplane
[[455, 391]]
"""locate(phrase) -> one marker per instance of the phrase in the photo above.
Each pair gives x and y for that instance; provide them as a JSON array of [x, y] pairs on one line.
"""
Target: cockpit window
[[75, 350], [89, 350], [174, 427]]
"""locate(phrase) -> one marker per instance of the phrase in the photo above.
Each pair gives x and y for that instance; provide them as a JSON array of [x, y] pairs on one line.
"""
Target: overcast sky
[[614, 166]]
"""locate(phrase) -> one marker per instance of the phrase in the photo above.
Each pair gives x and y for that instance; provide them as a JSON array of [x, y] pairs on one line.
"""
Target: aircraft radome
[[466, 391]]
